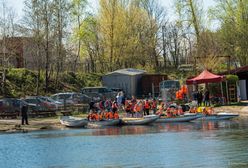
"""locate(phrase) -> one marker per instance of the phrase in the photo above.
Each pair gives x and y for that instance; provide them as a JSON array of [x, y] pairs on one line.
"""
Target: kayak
[[140, 121], [182, 118], [219, 116], [70, 121], [113, 122]]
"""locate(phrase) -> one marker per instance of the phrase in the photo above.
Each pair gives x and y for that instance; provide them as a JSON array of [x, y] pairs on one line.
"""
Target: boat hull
[[103, 123], [220, 116], [140, 121], [69, 121], [178, 119]]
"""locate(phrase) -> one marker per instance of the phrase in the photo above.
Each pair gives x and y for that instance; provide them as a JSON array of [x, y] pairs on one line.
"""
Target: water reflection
[[194, 144], [149, 129]]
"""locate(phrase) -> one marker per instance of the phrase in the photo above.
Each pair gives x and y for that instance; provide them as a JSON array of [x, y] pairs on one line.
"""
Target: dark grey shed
[[126, 79]]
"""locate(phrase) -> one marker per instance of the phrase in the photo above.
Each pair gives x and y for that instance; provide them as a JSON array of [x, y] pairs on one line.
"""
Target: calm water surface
[[207, 144]]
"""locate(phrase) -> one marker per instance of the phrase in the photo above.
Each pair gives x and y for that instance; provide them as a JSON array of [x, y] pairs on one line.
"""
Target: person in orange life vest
[[174, 111], [138, 109], [116, 115], [210, 111], [146, 107], [101, 115], [89, 117], [133, 102], [204, 111], [160, 111], [154, 106], [95, 116], [169, 112], [110, 115], [106, 115], [192, 110], [180, 110]]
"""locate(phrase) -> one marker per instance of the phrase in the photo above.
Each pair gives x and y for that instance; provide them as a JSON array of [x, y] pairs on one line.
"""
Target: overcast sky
[[18, 5]]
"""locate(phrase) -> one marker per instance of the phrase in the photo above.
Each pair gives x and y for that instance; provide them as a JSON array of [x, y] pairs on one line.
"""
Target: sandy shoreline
[[35, 124], [53, 123]]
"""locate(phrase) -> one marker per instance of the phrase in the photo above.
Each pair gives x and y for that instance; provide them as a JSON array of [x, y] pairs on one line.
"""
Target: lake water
[[199, 144]]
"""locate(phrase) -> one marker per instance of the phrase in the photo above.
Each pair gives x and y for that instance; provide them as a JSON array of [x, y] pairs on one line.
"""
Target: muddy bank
[[35, 124]]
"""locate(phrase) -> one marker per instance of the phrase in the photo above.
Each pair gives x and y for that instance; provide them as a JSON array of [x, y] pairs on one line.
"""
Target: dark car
[[10, 105]]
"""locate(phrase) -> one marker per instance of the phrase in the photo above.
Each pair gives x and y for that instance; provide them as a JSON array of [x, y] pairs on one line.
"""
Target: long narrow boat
[[219, 116], [140, 121], [183, 118], [113, 122], [70, 121]]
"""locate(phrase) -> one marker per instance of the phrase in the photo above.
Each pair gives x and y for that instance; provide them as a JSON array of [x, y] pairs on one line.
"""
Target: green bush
[[232, 78]]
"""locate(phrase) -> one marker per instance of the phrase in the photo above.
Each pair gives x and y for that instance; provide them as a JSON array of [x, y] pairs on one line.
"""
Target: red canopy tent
[[205, 77]]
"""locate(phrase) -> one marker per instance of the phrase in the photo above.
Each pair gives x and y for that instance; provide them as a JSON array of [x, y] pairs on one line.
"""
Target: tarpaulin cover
[[205, 77]]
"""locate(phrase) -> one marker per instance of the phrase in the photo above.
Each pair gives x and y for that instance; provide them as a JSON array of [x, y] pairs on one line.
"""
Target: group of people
[[108, 109], [202, 98], [137, 108], [171, 111], [104, 110]]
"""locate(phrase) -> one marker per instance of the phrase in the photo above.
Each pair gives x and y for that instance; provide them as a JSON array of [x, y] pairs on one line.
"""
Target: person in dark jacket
[[206, 98], [199, 98], [24, 114]]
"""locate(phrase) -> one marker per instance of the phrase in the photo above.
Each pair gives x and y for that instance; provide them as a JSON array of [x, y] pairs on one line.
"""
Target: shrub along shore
[[22, 82]]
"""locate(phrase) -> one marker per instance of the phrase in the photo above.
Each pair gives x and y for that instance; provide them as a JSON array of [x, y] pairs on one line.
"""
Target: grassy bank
[[22, 82]]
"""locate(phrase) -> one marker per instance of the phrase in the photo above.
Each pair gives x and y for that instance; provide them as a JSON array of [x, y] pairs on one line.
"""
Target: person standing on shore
[[199, 98], [206, 98], [24, 113]]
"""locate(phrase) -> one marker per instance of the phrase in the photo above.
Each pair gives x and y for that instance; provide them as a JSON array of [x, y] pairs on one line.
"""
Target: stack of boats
[[70, 121]]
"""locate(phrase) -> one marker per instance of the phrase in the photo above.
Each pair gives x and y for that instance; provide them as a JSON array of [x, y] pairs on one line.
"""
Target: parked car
[[71, 98], [13, 105], [41, 105], [104, 91], [8, 105], [57, 104]]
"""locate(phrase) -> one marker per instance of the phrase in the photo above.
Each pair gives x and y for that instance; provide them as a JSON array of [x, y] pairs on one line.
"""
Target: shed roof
[[128, 71], [237, 70]]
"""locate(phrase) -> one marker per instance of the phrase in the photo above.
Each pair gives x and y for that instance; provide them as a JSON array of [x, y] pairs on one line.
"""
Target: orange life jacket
[[116, 116], [110, 115], [96, 117], [180, 111], [114, 105], [154, 104], [210, 111], [93, 117], [90, 116], [147, 105], [105, 115], [101, 116], [128, 107]]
